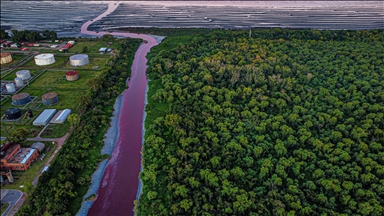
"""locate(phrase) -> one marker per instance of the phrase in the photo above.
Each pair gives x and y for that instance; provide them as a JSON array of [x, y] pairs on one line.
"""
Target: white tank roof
[[44, 56], [78, 57]]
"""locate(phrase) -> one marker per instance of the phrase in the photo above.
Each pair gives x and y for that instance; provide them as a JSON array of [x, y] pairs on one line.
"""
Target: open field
[[93, 46]]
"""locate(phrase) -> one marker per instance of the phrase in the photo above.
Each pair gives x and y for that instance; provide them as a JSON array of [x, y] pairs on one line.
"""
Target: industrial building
[[38, 146], [21, 99], [44, 118], [6, 58], [72, 75], [50, 98], [79, 60], [60, 116], [13, 114], [44, 59], [13, 157], [23, 74]]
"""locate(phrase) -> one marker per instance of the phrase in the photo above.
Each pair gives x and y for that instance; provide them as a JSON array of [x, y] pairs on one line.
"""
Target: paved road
[[11, 197], [60, 142]]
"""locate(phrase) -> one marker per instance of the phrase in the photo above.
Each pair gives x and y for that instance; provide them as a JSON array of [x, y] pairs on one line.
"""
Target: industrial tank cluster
[[72, 75], [44, 59], [6, 58], [50, 98], [79, 60]]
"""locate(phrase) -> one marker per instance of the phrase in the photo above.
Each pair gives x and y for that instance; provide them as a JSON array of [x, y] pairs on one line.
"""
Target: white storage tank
[[19, 82], [45, 59], [79, 60], [6, 58], [10, 87], [23, 74]]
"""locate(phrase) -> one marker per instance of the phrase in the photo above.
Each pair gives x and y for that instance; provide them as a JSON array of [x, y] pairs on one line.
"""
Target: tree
[[85, 49], [18, 136], [73, 119], [3, 34]]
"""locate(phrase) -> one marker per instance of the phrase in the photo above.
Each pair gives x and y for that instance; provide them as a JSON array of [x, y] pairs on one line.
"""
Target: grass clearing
[[93, 46], [12, 75], [56, 130]]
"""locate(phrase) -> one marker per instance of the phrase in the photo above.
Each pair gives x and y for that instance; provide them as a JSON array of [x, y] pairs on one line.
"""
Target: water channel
[[119, 184]]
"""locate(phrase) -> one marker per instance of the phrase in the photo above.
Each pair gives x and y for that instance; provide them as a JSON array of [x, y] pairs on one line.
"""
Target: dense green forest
[[286, 122], [60, 190]]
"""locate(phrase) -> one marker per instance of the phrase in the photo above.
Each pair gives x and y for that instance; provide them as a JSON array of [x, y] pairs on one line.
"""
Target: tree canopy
[[282, 123]]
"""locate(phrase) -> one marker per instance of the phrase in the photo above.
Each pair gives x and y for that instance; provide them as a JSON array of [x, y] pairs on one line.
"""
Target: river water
[[119, 185]]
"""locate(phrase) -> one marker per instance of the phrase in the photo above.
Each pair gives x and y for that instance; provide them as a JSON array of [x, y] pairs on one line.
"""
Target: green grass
[[26, 177], [51, 50], [56, 130], [12, 75], [93, 46], [4, 207], [56, 79]]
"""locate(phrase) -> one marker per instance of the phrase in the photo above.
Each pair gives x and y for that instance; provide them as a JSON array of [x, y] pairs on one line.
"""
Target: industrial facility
[[60, 116], [20, 99], [23, 74], [13, 157], [44, 59], [13, 114], [6, 58], [72, 75], [38, 146], [44, 118], [50, 98], [79, 60]]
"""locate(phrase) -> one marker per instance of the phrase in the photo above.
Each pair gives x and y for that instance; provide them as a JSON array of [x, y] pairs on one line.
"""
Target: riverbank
[[109, 144]]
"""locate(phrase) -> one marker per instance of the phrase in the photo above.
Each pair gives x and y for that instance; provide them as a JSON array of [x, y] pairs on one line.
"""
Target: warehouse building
[[44, 118], [60, 116]]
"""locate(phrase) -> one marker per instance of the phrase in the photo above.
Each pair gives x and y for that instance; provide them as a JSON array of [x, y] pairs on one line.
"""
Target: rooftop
[[22, 156]]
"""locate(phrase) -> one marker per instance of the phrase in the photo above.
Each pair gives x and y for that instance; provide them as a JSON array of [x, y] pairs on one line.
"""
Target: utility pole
[[250, 32]]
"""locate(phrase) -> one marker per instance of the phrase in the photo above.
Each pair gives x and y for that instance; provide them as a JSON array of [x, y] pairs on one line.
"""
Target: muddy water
[[119, 185]]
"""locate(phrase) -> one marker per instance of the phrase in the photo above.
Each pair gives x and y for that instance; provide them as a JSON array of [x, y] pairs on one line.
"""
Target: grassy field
[[12, 75], [26, 177], [93, 46]]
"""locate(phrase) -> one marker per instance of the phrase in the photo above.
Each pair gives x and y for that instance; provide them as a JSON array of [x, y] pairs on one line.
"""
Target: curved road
[[119, 184]]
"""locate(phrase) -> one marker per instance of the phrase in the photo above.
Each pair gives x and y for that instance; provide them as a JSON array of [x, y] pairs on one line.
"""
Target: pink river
[[119, 184]]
